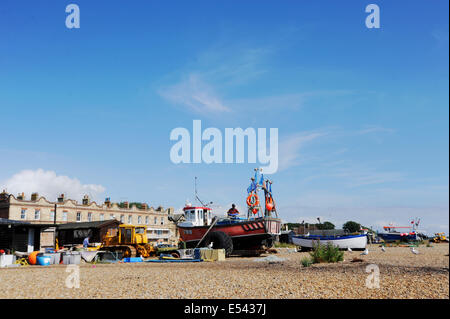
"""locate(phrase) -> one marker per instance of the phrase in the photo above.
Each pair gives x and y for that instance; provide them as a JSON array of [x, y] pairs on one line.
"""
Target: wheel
[[220, 240], [127, 251], [175, 255]]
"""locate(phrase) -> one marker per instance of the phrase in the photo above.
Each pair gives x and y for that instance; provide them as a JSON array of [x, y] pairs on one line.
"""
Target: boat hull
[[344, 242], [389, 237], [245, 234]]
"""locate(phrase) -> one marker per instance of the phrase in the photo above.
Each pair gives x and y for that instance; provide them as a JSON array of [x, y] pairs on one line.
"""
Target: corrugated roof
[[5, 221], [86, 225], [11, 221]]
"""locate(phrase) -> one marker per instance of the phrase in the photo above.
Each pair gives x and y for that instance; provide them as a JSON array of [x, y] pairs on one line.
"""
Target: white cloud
[[357, 175], [289, 148], [50, 185], [195, 94], [441, 37], [374, 129], [268, 103]]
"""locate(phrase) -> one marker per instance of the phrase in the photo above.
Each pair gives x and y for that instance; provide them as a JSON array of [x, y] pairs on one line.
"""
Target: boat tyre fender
[[220, 240], [269, 242]]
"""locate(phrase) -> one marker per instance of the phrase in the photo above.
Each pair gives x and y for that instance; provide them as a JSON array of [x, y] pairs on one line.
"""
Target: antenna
[[195, 188]]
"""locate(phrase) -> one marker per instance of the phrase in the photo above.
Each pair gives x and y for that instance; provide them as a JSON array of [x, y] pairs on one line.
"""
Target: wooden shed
[[21, 236]]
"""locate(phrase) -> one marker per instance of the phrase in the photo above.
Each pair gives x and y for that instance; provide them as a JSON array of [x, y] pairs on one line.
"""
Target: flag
[[251, 188]]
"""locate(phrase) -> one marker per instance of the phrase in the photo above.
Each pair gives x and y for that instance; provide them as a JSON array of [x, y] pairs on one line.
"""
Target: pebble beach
[[402, 275]]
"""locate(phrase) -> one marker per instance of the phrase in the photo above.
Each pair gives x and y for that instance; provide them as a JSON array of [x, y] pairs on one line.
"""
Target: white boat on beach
[[358, 241]]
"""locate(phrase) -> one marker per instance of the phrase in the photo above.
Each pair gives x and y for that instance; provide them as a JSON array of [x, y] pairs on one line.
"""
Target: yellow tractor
[[439, 237], [129, 240]]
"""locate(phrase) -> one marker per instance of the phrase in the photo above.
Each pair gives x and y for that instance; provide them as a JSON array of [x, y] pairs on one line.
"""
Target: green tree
[[351, 226], [138, 205], [325, 225]]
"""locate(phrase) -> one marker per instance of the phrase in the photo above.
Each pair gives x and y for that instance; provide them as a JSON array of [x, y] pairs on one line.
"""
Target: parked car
[[165, 246]]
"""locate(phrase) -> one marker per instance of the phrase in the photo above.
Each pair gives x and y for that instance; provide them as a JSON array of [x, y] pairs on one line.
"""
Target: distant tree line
[[321, 226], [138, 205]]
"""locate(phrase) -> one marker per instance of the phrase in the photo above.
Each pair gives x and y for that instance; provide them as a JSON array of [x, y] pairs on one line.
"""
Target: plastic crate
[[70, 258], [132, 259]]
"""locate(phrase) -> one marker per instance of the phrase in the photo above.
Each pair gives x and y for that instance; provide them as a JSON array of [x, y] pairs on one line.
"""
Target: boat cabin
[[392, 229], [197, 216]]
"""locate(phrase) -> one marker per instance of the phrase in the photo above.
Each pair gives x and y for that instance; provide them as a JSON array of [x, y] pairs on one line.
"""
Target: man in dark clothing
[[233, 212]]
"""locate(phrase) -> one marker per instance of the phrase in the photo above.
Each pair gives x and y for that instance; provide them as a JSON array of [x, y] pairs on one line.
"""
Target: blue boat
[[400, 233], [392, 234]]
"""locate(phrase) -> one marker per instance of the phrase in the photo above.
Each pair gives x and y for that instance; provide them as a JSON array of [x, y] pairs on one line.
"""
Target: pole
[[54, 232]]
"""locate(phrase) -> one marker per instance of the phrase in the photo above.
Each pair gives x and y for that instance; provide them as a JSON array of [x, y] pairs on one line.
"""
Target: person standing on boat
[[233, 212]]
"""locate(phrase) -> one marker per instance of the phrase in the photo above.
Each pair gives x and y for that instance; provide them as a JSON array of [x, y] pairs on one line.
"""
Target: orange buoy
[[269, 203], [32, 257]]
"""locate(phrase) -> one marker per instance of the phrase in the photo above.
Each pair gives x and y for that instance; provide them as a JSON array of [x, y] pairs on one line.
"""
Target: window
[[122, 218], [52, 215], [111, 216], [78, 216], [162, 220], [113, 231], [155, 221], [37, 214], [23, 214], [64, 216], [130, 219], [102, 217], [89, 217], [139, 219], [146, 220]]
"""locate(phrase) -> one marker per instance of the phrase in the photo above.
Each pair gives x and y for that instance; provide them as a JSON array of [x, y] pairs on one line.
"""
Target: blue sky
[[362, 113]]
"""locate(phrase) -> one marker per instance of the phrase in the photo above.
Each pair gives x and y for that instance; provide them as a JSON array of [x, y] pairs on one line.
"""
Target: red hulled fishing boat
[[233, 233]]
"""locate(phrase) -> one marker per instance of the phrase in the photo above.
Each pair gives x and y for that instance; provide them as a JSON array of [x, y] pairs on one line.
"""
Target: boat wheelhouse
[[196, 216]]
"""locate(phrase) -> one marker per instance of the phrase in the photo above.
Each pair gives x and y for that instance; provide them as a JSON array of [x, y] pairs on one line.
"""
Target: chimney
[[126, 205], [86, 200], [61, 198], [108, 202], [34, 196], [21, 196]]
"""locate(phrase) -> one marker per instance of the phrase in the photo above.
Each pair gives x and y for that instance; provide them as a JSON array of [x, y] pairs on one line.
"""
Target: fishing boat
[[232, 233], [342, 240], [400, 233]]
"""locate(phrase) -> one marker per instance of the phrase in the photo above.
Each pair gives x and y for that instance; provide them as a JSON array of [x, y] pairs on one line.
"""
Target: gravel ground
[[402, 275]]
